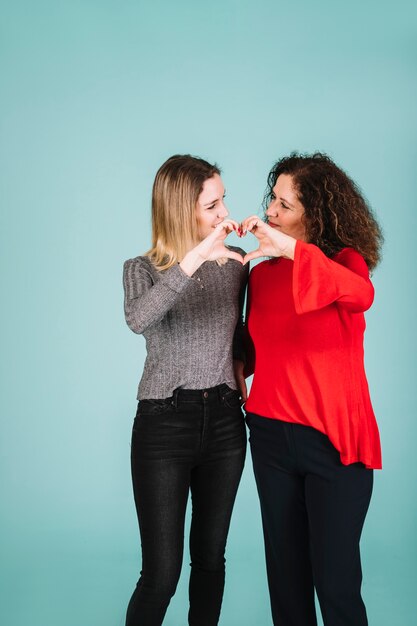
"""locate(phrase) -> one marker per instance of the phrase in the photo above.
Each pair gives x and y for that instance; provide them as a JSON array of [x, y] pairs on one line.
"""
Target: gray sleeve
[[147, 301]]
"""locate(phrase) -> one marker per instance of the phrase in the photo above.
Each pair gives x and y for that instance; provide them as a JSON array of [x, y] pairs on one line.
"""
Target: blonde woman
[[185, 296]]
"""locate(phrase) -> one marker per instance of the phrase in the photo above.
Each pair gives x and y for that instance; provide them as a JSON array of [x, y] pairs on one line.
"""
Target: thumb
[[230, 254], [255, 254]]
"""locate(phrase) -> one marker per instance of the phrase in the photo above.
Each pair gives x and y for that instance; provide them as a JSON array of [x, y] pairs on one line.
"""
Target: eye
[[211, 207], [284, 206], [273, 197]]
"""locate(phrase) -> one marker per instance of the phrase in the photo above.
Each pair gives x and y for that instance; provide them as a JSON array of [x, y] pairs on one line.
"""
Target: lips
[[273, 225]]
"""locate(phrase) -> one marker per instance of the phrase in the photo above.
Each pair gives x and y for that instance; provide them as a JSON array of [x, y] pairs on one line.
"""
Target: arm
[[249, 347], [239, 356], [319, 281], [238, 337], [147, 302]]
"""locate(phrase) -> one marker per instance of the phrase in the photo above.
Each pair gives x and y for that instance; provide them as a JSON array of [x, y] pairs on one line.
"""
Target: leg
[[213, 489], [214, 483], [285, 523], [161, 483], [337, 505]]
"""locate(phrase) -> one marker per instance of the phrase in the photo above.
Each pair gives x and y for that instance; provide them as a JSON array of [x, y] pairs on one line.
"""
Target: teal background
[[95, 95]]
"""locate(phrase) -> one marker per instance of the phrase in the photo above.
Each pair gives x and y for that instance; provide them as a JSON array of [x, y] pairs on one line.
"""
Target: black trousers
[[313, 510], [194, 441]]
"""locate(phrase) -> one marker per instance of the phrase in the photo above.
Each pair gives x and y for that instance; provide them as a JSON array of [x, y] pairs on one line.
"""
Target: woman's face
[[285, 211], [210, 209]]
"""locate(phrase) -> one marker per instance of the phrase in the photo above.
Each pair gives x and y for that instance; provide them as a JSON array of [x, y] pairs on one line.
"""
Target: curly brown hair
[[336, 213]]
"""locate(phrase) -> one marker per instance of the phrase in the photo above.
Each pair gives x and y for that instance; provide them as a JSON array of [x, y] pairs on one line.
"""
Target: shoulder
[[348, 255], [137, 267], [257, 275], [139, 262], [262, 266], [353, 260]]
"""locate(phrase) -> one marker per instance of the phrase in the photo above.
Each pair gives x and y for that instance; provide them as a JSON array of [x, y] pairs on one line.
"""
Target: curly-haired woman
[[186, 296], [314, 438]]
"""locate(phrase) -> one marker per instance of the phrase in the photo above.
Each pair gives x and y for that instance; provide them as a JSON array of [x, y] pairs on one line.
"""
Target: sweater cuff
[[175, 278]]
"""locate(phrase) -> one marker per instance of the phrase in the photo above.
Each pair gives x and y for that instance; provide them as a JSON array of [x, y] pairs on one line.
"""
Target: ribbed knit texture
[[192, 326]]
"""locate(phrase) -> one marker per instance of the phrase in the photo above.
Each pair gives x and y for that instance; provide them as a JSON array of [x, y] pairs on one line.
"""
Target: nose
[[272, 210], [222, 210]]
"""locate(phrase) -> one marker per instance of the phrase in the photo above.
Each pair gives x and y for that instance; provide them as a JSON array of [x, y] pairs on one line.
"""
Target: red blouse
[[306, 325]]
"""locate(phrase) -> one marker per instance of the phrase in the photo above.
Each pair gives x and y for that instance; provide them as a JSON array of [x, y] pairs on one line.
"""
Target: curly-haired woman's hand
[[272, 242]]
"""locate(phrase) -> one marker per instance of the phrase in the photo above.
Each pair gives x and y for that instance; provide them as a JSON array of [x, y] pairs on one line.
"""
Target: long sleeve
[[307, 325], [188, 323], [319, 281], [146, 301]]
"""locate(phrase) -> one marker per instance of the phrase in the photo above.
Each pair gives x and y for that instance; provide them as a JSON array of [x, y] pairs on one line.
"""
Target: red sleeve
[[319, 281]]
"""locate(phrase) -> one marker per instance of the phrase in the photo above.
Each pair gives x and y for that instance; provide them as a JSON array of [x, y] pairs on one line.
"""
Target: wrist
[[288, 251], [191, 262]]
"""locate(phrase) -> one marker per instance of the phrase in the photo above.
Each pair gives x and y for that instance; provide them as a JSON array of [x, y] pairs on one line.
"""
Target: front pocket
[[232, 399], [154, 406]]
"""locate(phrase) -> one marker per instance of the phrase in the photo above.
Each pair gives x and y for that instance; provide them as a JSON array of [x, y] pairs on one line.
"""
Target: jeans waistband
[[201, 395]]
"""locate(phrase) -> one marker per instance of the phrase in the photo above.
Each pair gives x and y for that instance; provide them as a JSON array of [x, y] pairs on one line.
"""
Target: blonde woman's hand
[[271, 241], [238, 367], [211, 248]]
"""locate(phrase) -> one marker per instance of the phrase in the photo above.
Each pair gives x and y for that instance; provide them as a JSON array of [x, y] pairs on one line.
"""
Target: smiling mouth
[[273, 225]]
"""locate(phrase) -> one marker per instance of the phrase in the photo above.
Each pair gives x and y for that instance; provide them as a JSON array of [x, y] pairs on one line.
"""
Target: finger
[[224, 226], [241, 232], [238, 368], [251, 223], [235, 225], [250, 217], [230, 254], [243, 390], [229, 227], [256, 254], [221, 230], [246, 221]]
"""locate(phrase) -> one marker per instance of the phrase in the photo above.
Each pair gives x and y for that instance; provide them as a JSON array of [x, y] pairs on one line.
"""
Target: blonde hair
[[177, 186]]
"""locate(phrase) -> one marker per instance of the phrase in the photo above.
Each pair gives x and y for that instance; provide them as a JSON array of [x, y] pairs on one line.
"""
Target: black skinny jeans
[[313, 510], [194, 441]]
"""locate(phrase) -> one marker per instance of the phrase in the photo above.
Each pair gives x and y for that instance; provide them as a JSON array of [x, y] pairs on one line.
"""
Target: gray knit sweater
[[192, 326]]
